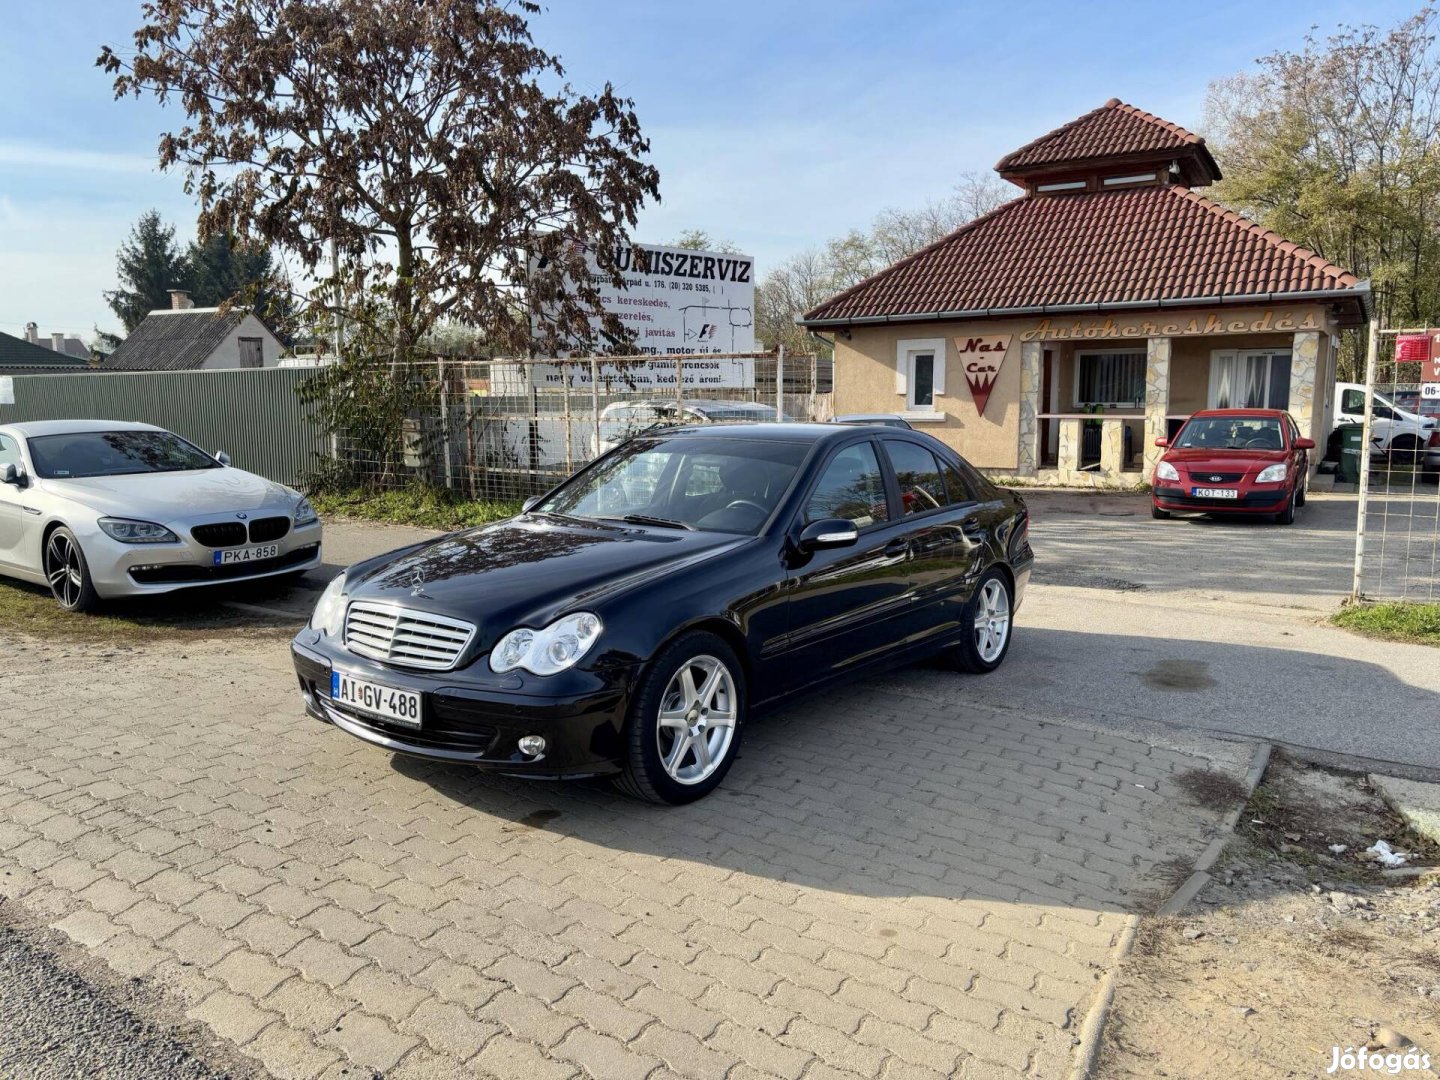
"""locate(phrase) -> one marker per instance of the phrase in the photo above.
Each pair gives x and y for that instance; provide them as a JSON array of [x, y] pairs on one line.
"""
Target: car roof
[[1256, 413], [868, 416], [807, 433], [35, 428]]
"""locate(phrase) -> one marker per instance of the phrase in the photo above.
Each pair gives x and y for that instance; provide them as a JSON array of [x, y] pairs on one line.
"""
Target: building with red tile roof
[[1111, 299]]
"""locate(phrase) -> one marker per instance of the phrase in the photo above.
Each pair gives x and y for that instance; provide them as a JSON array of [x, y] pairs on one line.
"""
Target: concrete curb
[[1093, 1027]]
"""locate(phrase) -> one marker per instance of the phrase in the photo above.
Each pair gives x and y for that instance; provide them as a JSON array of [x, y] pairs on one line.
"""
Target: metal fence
[[1397, 542], [253, 415], [507, 429]]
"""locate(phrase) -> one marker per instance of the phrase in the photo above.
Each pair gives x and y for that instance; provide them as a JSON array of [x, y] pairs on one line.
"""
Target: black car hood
[[528, 570]]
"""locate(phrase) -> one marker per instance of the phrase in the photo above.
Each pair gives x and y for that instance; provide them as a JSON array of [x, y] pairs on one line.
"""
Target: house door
[[252, 353]]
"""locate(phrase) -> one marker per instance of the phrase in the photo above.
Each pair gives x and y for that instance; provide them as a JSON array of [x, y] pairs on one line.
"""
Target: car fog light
[[532, 745]]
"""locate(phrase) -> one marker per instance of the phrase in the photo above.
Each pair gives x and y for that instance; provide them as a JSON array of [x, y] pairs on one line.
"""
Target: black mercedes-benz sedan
[[630, 622]]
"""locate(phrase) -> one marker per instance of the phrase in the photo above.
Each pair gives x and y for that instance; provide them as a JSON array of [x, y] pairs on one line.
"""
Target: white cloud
[[27, 155]]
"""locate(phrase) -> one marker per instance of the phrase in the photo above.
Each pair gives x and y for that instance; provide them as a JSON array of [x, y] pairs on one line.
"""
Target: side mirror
[[222, 457], [828, 533], [1304, 444], [530, 503], [1161, 440], [11, 474]]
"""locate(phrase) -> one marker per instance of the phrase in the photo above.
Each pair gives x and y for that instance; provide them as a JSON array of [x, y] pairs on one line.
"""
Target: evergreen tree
[[229, 271], [148, 265]]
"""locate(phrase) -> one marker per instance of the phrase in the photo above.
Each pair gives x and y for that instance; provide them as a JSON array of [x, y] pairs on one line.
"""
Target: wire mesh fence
[[503, 430], [1397, 551]]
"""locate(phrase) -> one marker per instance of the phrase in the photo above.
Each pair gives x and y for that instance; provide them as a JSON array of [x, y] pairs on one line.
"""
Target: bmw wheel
[[987, 626], [67, 572], [685, 722]]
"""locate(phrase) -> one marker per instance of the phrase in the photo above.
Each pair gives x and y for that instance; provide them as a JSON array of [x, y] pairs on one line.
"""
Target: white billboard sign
[[679, 302], [1430, 390], [661, 375]]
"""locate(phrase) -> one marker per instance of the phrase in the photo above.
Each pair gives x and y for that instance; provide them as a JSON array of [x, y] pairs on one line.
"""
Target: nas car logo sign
[[980, 359]]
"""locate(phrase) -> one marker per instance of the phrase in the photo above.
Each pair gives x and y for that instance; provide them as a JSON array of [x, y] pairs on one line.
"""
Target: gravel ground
[[64, 1016]]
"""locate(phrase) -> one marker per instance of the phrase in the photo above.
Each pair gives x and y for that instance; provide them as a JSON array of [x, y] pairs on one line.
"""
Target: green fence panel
[[253, 415]]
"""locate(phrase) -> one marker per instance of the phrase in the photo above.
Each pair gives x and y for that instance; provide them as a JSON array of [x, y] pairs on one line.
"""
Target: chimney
[[57, 342], [180, 300], [32, 333]]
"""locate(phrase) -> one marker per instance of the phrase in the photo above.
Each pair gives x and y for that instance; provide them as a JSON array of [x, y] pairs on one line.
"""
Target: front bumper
[[475, 717], [1266, 500], [142, 569]]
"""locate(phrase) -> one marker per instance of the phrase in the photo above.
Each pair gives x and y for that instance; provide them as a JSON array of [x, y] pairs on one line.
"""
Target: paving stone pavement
[[885, 886]]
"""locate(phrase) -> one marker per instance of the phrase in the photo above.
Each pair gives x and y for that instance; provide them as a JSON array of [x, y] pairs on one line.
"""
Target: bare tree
[[430, 140]]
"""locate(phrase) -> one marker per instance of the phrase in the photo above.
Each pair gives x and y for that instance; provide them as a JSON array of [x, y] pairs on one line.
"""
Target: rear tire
[[68, 573], [1158, 514], [1300, 494], [677, 746], [988, 619]]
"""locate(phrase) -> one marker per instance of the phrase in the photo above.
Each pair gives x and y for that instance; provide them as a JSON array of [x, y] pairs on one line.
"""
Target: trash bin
[[1352, 439]]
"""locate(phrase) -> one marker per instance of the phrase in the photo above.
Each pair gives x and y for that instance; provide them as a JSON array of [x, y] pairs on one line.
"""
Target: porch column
[[1304, 369], [1067, 456], [1032, 354], [1157, 398], [1112, 448]]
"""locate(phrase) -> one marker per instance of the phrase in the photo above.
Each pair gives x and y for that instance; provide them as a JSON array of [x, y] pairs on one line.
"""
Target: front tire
[[1406, 451], [67, 572], [1158, 514], [987, 617], [1287, 516], [686, 719]]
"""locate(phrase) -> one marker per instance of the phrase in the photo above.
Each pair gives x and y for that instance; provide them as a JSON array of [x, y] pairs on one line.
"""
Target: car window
[[9, 451], [115, 453], [1230, 433], [918, 474], [851, 488], [1352, 401], [958, 488]]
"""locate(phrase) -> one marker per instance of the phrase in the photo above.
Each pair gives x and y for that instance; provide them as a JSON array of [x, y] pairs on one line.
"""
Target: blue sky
[[775, 123]]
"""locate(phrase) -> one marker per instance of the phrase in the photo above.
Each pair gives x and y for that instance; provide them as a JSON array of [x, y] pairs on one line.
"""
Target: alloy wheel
[[697, 720], [63, 569], [992, 620]]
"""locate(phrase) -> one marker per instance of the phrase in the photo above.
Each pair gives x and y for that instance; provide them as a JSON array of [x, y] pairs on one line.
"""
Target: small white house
[[187, 338]]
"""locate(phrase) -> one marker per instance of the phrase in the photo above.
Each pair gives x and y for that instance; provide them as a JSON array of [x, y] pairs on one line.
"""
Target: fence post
[[444, 421], [814, 384], [780, 384], [569, 449], [595, 404], [1371, 356], [679, 389]]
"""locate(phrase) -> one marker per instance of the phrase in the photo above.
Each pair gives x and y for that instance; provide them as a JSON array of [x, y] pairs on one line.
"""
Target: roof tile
[[1133, 245]]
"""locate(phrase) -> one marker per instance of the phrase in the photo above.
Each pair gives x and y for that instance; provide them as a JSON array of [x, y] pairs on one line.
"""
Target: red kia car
[[1233, 461]]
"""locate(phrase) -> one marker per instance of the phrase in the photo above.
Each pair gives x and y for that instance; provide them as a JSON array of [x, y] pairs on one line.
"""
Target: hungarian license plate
[[386, 702], [1215, 493], [231, 556]]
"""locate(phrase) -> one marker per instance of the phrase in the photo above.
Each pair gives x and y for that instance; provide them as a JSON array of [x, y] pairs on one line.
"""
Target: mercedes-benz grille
[[405, 637]]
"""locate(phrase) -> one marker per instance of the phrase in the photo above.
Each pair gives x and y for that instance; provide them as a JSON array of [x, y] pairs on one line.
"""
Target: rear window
[[918, 473]]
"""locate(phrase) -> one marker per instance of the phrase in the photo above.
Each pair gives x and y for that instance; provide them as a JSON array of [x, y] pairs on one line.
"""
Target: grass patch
[[30, 611], [428, 508], [1418, 623]]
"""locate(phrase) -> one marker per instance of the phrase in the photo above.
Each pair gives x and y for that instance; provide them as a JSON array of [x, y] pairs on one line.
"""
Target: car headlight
[[136, 532], [549, 651], [329, 614], [305, 513], [1272, 475], [1166, 471]]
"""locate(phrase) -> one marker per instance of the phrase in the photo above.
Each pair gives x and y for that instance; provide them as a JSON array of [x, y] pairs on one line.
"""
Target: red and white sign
[[1412, 347], [980, 360]]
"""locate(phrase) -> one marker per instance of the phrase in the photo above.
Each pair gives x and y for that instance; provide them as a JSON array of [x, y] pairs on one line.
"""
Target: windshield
[[711, 484], [1231, 433], [114, 453]]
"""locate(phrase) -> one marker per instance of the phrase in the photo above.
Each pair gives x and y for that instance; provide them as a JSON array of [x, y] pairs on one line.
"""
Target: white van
[[1404, 437]]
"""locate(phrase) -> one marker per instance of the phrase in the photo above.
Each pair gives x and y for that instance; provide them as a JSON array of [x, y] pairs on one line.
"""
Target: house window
[[252, 353], [1109, 378], [1250, 379], [920, 373]]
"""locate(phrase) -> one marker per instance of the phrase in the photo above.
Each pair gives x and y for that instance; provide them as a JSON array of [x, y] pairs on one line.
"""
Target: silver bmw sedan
[[97, 509]]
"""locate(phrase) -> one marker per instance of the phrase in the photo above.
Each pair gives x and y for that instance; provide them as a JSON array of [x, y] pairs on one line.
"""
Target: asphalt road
[[62, 1019], [1212, 626]]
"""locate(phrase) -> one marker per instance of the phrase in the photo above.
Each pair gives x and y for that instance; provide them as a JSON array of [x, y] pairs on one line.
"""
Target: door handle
[[897, 549]]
